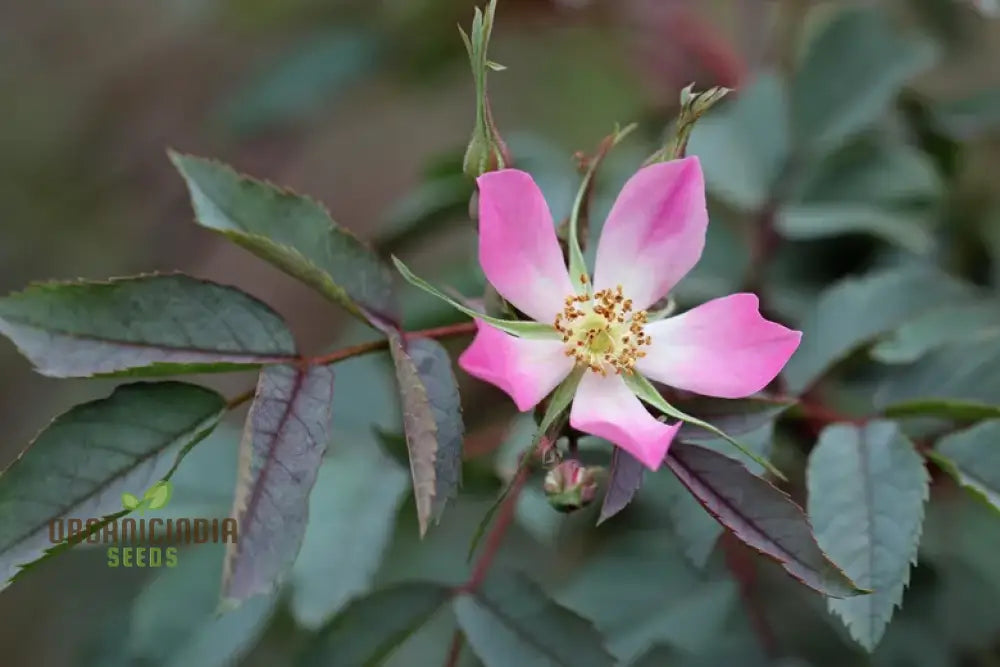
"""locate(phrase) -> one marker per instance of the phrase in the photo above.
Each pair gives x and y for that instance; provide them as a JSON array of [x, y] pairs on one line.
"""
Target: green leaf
[[645, 390], [357, 493], [286, 434], [950, 323], [79, 466], [158, 495], [852, 71], [432, 420], [959, 380], [759, 514], [854, 311], [867, 489], [518, 328], [734, 416], [129, 501], [972, 457], [508, 620], [367, 631], [175, 621], [144, 325], [294, 233], [806, 222], [744, 147]]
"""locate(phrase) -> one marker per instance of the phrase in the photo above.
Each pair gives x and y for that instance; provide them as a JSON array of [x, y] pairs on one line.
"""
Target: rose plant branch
[[437, 333]]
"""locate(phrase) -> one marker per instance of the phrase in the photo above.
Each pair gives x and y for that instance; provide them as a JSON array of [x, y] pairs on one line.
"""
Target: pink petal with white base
[[722, 348], [606, 407], [655, 231], [518, 249], [527, 369]]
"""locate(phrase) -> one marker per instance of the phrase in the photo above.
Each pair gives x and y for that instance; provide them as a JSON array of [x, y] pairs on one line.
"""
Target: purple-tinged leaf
[[82, 463], [286, 434], [624, 480], [295, 234], [759, 514], [735, 417], [432, 421], [143, 325]]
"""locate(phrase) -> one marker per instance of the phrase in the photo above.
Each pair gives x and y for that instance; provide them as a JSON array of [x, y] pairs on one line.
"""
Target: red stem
[[497, 533]]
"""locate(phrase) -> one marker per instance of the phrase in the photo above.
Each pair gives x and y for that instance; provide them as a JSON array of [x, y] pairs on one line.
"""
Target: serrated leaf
[[286, 433], [624, 480], [175, 622], [950, 323], [734, 416], [433, 366], [356, 494], [697, 529], [367, 631], [421, 432], [867, 489], [515, 327], [78, 466], [509, 620], [759, 514], [852, 312], [294, 233], [851, 72], [144, 325], [972, 457]]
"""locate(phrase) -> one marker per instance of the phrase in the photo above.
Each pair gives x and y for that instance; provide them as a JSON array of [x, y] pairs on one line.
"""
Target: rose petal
[[721, 348], [655, 231], [607, 408], [527, 369], [518, 249]]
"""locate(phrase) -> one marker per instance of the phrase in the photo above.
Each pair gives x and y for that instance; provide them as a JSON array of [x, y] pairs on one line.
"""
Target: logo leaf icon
[[129, 501], [158, 495]]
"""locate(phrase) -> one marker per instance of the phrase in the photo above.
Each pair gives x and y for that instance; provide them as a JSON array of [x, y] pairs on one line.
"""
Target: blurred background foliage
[[868, 146]]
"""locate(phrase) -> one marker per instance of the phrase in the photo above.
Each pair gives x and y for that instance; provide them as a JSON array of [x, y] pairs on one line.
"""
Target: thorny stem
[[460, 329]]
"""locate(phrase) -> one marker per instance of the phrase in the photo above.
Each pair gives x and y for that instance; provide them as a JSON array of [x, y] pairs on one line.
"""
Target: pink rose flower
[[653, 236]]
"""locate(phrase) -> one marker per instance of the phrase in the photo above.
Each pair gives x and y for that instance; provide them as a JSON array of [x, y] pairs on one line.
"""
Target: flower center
[[602, 331]]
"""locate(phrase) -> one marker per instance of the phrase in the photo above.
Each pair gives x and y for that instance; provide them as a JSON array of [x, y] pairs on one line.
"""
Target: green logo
[[156, 497]]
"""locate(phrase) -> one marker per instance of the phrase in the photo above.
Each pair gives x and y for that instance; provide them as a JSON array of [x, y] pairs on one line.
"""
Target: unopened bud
[[571, 486]]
